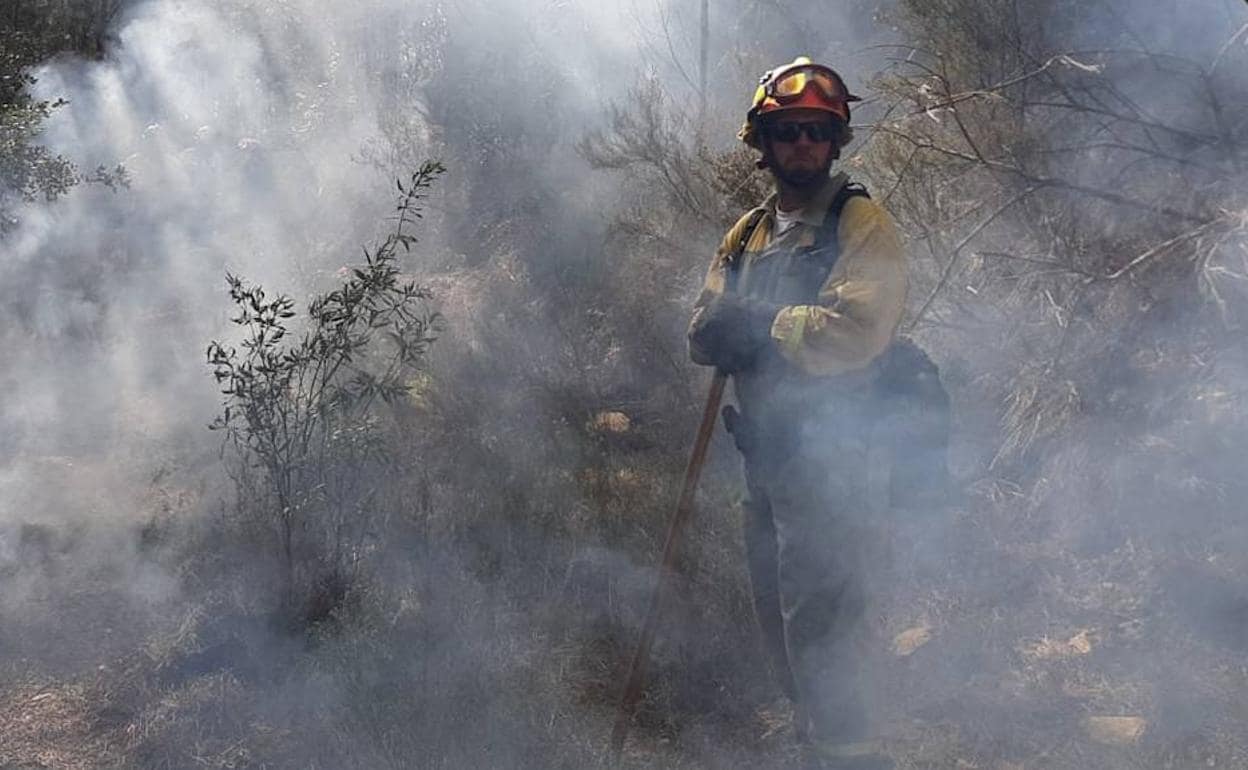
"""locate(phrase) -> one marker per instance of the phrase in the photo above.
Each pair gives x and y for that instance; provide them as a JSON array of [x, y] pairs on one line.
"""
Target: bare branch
[[953, 255], [1165, 246]]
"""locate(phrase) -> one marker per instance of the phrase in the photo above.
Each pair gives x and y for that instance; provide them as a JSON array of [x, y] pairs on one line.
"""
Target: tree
[[1078, 170]]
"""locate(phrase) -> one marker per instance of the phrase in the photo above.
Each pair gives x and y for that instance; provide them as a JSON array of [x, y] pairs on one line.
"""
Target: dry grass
[[52, 724]]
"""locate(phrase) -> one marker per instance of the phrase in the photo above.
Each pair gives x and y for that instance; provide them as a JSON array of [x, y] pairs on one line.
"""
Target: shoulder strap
[[751, 224], [832, 221], [733, 262], [847, 191], [829, 229]]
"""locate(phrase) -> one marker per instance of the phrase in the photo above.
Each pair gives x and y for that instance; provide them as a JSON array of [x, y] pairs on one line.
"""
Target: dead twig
[[953, 255], [1165, 246]]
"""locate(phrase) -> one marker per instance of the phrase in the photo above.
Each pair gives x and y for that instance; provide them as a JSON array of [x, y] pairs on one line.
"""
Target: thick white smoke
[[242, 126], [257, 138]]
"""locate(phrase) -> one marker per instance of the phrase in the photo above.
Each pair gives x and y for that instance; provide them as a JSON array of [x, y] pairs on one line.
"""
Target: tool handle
[[684, 509]]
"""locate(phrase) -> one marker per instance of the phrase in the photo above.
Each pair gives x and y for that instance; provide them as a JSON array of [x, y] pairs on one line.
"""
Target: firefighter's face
[[801, 144]]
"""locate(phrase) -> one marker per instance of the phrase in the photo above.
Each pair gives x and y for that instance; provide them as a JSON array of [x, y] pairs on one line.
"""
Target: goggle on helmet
[[801, 84]]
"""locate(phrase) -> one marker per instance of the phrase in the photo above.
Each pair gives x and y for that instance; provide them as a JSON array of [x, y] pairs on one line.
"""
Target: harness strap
[[831, 223], [827, 232], [733, 263]]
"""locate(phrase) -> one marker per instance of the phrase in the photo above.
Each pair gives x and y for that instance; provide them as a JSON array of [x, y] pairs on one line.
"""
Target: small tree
[[302, 416]]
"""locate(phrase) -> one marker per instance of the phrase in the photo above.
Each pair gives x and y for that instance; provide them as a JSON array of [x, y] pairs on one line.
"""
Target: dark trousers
[[804, 535]]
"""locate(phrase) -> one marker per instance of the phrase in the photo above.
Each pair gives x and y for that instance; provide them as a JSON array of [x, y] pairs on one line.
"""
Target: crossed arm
[[857, 311]]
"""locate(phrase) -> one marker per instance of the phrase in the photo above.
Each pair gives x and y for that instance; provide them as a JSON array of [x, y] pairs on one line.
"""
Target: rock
[[611, 422], [905, 643], [1115, 731], [1080, 643], [1052, 649]]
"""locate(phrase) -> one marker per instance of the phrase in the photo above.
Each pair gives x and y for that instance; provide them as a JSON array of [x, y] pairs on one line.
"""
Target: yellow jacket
[[845, 321]]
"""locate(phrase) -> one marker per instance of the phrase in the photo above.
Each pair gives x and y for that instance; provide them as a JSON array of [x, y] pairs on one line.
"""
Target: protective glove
[[732, 330]]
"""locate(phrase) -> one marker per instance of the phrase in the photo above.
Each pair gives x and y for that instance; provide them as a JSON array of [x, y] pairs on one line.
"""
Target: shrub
[[301, 416]]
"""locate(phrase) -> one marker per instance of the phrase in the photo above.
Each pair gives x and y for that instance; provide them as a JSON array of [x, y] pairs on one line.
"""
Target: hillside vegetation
[[429, 535]]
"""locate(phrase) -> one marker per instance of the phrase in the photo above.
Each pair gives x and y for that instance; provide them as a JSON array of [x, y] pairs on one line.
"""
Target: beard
[[807, 176], [799, 176]]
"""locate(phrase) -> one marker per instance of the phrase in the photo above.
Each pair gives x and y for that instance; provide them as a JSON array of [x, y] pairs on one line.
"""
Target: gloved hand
[[732, 330]]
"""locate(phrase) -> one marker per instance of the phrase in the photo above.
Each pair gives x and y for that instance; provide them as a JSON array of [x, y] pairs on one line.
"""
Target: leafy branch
[[301, 408]]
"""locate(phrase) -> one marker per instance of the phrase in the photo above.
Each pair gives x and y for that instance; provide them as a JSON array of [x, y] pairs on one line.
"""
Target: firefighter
[[803, 295]]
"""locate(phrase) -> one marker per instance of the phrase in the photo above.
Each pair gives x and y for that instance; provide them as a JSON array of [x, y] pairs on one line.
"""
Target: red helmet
[[801, 84]]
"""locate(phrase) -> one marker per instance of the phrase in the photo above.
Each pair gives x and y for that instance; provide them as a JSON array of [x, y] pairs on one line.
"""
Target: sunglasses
[[790, 131]]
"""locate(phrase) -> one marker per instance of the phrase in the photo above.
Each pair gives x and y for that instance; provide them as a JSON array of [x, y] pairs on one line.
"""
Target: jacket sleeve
[[860, 304], [713, 286]]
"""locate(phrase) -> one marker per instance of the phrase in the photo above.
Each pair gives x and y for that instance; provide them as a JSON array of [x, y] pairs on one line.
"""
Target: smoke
[[263, 139], [243, 128]]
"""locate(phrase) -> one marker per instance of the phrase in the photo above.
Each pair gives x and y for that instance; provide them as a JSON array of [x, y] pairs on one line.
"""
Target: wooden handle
[[684, 509]]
